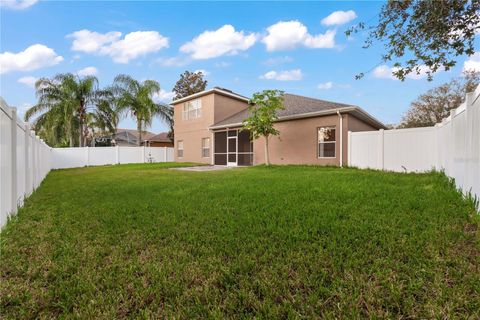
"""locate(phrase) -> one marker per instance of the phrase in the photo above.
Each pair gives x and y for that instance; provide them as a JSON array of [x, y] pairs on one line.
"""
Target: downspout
[[341, 138]]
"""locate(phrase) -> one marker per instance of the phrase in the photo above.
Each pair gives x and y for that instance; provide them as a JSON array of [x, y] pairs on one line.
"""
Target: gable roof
[[161, 137], [132, 135], [297, 107], [222, 91]]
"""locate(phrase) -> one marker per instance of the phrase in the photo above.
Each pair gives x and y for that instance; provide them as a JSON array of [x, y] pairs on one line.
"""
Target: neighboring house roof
[[131, 135], [161, 137], [297, 107], [222, 91]]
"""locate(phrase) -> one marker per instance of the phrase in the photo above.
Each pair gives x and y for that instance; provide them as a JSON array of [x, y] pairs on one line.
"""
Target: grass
[[141, 241]]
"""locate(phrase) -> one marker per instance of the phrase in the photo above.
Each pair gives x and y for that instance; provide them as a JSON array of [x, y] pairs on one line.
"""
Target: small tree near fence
[[263, 107]]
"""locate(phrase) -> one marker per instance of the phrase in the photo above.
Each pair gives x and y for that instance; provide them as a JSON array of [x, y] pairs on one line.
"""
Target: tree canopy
[[434, 105], [188, 84], [424, 36], [263, 108]]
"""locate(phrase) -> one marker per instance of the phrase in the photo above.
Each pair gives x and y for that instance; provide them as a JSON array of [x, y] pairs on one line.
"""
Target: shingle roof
[[132, 135], [161, 137], [294, 105]]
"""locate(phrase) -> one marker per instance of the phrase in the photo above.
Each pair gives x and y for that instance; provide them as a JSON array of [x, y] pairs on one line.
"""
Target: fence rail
[[24, 161], [86, 156], [452, 145]]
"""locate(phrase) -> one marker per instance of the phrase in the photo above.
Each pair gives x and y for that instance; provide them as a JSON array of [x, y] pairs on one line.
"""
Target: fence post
[[34, 160], [381, 150], [14, 159], [87, 156], [165, 154], [117, 156], [349, 156], [27, 163]]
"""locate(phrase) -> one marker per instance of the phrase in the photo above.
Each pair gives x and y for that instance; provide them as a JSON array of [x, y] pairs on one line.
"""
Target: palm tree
[[65, 99], [137, 98]]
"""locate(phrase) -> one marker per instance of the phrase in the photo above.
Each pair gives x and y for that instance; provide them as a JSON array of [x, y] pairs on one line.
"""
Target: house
[[129, 138], [312, 131], [160, 140]]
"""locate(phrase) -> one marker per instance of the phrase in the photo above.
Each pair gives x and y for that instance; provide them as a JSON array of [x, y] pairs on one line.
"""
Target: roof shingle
[[294, 105]]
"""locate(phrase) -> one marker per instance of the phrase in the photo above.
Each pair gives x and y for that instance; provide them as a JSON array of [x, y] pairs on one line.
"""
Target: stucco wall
[[191, 132], [225, 107], [297, 142], [215, 107]]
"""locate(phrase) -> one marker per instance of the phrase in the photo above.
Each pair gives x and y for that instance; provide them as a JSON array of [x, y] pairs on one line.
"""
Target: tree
[[188, 84], [64, 101], [263, 107], [430, 34], [137, 98], [434, 105]]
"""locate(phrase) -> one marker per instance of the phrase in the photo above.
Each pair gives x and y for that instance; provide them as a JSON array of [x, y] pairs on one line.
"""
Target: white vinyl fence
[[452, 145], [86, 156], [24, 161]]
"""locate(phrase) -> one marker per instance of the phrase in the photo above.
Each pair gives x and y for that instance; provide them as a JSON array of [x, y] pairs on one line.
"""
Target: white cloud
[[163, 96], [287, 35], [325, 86], [17, 4], [286, 75], [88, 71], [326, 40], [91, 41], [29, 81], [339, 17], [473, 63], [34, 57], [225, 40], [132, 46], [385, 72], [203, 71]]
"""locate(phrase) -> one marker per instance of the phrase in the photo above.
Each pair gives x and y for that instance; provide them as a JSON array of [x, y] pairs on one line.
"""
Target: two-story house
[[207, 127]]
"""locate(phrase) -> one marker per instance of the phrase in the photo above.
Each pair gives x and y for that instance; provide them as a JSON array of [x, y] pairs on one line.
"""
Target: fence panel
[[24, 162], [63, 158], [452, 145]]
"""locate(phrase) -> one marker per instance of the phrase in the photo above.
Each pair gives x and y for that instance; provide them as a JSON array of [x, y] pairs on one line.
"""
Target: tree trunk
[[267, 158], [80, 120], [139, 128]]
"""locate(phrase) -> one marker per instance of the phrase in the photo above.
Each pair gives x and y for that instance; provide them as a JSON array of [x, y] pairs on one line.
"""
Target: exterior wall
[[226, 107], [215, 107], [297, 142]]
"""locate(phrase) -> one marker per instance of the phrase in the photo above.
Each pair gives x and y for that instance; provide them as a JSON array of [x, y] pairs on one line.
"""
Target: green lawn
[[142, 241]]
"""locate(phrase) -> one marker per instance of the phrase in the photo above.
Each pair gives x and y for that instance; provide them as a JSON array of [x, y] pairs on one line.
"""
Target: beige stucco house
[[312, 131]]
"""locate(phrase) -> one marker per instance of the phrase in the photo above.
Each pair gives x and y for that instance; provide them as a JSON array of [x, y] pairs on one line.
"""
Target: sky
[[298, 47]]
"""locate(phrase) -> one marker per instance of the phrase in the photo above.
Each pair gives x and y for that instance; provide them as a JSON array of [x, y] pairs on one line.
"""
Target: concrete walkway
[[202, 168]]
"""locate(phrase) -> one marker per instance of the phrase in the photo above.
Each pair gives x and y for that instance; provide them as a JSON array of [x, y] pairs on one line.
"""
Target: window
[[326, 142], [206, 147], [180, 148], [192, 109]]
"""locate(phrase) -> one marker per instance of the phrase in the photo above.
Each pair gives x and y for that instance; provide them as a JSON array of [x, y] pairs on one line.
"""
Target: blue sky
[[297, 47]]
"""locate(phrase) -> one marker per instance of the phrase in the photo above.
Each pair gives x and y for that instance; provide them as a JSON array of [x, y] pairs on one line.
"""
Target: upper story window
[[326, 142], [192, 109]]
